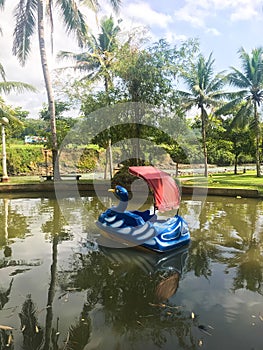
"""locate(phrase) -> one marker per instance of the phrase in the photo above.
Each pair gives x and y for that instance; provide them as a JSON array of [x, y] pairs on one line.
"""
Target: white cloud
[[198, 13], [213, 31], [172, 37], [244, 13], [190, 15], [143, 12]]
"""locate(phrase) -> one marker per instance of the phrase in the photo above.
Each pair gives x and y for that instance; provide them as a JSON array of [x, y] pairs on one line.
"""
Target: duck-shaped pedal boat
[[141, 228]]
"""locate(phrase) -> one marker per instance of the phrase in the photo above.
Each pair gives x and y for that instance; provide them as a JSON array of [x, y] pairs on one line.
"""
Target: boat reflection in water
[[166, 268]]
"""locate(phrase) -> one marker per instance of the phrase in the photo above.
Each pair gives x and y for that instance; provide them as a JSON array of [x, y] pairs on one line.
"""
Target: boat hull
[[159, 236]]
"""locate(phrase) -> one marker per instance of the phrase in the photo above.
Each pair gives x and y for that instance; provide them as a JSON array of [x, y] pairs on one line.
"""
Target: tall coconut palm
[[204, 93], [249, 97], [97, 61], [29, 14], [101, 50]]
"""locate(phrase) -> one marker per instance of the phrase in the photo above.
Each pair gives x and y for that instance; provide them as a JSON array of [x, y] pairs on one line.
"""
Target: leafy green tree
[[242, 143], [30, 14], [149, 75], [205, 93], [219, 147], [63, 123], [249, 97]]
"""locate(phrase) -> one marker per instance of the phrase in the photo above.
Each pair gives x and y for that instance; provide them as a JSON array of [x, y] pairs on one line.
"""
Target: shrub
[[24, 159]]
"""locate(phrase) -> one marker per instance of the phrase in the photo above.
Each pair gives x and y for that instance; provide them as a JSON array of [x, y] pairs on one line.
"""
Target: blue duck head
[[121, 193]]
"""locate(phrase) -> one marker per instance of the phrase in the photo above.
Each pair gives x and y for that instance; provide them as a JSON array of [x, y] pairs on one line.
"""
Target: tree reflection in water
[[132, 289], [230, 234], [133, 295], [32, 333]]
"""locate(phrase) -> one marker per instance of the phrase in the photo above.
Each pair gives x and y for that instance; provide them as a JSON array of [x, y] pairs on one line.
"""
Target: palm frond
[[83, 61], [245, 62], [243, 116], [2, 72], [9, 86], [25, 18], [71, 56], [73, 19], [91, 4], [230, 107], [92, 77], [252, 64], [238, 79], [94, 4], [184, 94]]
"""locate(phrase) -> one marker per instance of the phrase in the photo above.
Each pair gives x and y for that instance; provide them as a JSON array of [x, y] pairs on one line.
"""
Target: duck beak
[[111, 190]]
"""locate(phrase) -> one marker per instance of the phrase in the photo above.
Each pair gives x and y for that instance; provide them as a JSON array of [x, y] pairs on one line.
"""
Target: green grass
[[248, 180], [222, 180]]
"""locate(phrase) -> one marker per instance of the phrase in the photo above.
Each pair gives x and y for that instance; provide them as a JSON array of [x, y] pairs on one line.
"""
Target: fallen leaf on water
[[10, 339], [192, 315], [260, 317], [158, 305], [165, 306], [6, 328]]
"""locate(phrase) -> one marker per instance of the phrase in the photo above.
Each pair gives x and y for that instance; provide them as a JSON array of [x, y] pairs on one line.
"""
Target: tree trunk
[[235, 168], [110, 159], [257, 139], [177, 169], [203, 118], [109, 150], [49, 89]]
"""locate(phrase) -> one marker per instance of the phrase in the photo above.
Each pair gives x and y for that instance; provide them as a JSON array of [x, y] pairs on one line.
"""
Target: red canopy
[[165, 189]]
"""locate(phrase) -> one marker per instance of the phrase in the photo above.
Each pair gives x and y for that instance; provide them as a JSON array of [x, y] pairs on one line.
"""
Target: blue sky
[[222, 27]]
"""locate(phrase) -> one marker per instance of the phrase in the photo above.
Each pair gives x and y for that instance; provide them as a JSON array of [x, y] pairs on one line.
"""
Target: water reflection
[[57, 291], [130, 289]]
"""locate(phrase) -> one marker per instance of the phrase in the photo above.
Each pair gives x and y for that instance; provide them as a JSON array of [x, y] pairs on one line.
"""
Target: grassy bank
[[246, 181], [220, 180]]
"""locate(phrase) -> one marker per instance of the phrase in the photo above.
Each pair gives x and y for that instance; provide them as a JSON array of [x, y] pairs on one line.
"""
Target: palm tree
[[97, 62], [101, 51], [204, 93], [249, 97], [29, 14]]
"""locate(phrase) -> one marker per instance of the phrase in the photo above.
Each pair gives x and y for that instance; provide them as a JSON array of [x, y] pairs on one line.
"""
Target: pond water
[[60, 290]]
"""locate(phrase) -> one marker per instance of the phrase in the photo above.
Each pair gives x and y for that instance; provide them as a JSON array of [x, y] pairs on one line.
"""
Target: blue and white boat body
[[159, 235], [141, 228]]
